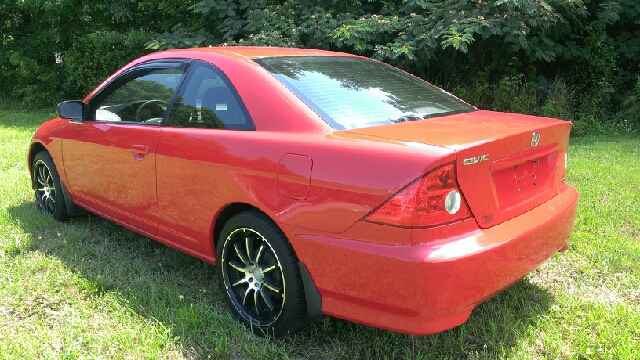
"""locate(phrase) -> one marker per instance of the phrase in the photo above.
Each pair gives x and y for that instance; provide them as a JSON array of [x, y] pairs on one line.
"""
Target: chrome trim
[[475, 160], [535, 138]]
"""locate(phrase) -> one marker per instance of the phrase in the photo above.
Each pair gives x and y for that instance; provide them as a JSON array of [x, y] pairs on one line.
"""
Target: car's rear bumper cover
[[431, 286]]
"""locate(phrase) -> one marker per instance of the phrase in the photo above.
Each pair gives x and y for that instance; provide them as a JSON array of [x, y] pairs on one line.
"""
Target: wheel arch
[[227, 213], [34, 149], [71, 207], [312, 296]]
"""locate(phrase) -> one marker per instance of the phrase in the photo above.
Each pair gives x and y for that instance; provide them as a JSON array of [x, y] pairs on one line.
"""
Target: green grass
[[87, 288]]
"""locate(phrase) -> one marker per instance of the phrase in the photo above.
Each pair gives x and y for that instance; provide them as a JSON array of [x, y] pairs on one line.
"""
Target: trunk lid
[[506, 164]]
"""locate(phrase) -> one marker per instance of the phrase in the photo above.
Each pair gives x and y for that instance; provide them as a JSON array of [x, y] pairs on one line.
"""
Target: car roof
[[237, 63], [253, 52]]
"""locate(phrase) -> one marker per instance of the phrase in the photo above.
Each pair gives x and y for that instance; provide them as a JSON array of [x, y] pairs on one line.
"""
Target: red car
[[318, 182]]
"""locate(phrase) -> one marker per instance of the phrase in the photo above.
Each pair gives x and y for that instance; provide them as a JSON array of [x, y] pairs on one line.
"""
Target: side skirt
[[204, 257]]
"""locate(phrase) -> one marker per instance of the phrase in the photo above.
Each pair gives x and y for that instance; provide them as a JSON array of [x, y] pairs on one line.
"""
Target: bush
[[628, 118], [34, 83], [559, 101], [514, 94], [495, 54], [543, 97], [97, 55]]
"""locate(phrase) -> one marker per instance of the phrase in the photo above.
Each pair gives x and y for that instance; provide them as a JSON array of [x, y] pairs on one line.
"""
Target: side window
[[141, 97], [207, 100]]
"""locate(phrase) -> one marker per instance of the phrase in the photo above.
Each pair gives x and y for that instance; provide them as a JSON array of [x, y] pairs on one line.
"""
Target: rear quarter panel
[[202, 171]]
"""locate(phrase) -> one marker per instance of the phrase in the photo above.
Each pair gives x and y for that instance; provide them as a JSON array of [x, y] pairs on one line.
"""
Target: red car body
[[319, 184]]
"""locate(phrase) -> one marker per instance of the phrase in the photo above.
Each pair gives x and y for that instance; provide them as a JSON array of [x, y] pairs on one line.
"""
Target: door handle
[[140, 149]]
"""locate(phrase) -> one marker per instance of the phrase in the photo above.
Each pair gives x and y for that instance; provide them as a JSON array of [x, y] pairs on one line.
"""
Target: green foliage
[[542, 97], [514, 94], [33, 81], [97, 55], [559, 101], [53, 50], [34, 33], [87, 62], [628, 118], [180, 37], [389, 30], [491, 53]]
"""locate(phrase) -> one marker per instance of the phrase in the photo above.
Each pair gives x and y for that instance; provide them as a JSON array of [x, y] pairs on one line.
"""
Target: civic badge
[[535, 138], [475, 159]]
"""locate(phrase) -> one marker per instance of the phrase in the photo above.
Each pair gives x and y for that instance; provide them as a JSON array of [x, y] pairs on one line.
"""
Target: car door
[[110, 158], [194, 163]]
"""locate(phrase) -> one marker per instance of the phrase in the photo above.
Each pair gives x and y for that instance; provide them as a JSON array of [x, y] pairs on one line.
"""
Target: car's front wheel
[[259, 275], [47, 186]]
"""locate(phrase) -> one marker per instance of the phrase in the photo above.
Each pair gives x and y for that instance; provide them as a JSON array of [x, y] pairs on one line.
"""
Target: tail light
[[431, 200]]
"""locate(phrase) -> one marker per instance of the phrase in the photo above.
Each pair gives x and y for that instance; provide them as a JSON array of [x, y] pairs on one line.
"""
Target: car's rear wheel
[[47, 186], [259, 275]]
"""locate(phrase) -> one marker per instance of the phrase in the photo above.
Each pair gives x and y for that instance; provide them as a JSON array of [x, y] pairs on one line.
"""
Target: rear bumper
[[432, 284]]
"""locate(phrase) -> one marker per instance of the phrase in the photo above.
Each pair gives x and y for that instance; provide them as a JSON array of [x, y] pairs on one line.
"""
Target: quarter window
[[208, 100]]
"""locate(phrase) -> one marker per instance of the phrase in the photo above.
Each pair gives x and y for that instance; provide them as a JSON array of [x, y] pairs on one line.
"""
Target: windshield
[[350, 93]]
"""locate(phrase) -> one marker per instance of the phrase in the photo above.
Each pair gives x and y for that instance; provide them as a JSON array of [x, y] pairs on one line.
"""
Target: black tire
[[259, 275], [47, 186]]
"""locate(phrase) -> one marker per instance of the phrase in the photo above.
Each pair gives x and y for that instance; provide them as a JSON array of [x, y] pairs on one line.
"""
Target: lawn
[[87, 288]]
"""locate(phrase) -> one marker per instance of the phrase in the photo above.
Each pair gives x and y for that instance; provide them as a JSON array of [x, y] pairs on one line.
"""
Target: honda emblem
[[535, 138]]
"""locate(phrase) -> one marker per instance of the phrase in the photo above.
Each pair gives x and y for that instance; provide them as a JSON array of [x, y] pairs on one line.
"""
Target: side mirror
[[71, 110]]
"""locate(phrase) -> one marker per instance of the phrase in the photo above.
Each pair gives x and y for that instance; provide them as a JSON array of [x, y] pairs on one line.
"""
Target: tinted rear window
[[354, 93]]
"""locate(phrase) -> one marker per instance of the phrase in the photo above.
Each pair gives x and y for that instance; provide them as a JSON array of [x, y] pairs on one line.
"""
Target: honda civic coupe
[[319, 183]]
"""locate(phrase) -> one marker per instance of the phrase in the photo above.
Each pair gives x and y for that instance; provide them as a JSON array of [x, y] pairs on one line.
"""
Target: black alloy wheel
[[47, 186], [259, 275]]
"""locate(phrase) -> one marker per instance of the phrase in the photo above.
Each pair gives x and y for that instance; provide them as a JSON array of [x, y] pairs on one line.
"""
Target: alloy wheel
[[45, 188], [253, 276]]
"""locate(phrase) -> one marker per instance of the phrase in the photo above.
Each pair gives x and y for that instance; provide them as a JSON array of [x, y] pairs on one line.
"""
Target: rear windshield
[[352, 93]]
